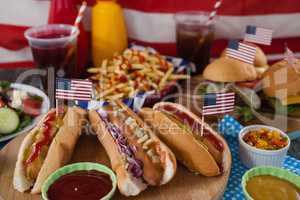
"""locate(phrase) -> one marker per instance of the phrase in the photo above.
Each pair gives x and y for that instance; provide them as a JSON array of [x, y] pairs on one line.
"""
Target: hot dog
[[46, 148], [180, 129], [154, 163]]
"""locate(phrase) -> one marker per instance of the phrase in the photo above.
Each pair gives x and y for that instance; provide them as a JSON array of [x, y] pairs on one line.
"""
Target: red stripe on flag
[[22, 64], [225, 101], [220, 44], [12, 37], [276, 47], [219, 106], [218, 109], [76, 91], [242, 7], [225, 94], [217, 112], [73, 94], [72, 98]]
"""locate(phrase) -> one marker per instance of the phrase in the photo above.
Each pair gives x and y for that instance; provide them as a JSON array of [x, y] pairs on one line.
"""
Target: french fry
[[94, 70], [165, 78], [116, 96], [138, 66], [112, 89], [179, 77], [130, 72]]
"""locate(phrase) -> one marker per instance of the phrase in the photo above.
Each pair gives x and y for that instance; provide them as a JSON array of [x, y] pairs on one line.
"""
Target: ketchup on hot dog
[[47, 126], [191, 122]]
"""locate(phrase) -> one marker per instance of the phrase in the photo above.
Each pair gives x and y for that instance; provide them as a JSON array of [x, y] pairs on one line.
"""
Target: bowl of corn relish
[[261, 145]]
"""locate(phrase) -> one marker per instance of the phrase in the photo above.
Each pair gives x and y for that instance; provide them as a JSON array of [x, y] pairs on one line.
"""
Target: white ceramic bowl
[[252, 156], [44, 109]]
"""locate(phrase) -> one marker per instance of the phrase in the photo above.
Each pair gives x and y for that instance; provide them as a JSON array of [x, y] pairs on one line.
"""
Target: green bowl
[[78, 167], [274, 171]]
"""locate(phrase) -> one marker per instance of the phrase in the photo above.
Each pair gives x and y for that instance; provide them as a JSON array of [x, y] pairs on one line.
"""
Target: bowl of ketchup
[[89, 181]]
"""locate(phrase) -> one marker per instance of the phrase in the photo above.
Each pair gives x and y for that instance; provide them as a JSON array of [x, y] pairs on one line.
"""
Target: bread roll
[[260, 59], [281, 80], [227, 69]]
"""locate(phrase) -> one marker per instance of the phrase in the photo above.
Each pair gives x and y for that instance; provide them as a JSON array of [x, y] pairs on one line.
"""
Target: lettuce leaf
[[245, 113]]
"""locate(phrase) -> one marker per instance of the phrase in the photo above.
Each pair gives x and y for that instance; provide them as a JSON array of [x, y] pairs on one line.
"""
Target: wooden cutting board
[[184, 186]]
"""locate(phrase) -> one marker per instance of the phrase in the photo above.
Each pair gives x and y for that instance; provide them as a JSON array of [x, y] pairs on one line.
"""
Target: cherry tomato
[[32, 106], [2, 104], [248, 84]]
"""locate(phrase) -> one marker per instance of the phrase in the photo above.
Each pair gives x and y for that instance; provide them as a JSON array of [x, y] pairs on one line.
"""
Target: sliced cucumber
[[9, 120]]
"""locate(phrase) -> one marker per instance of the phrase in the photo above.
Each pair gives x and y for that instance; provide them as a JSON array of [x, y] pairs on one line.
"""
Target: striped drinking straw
[[60, 103], [80, 14], [213, 13]]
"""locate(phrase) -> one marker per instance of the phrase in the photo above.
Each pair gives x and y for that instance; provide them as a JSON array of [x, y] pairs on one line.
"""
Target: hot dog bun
[[118, 127], [127, 184], [200, 156], [168, 159], [58, 154]]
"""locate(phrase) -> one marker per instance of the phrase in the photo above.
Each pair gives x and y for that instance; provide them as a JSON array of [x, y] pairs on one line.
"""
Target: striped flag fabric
[[145, 17], [73, 89], [241, 51], [218, 103], [258, 35]]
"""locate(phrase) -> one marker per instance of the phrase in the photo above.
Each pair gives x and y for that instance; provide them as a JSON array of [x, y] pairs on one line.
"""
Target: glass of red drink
[[54, 45], [194, 38]]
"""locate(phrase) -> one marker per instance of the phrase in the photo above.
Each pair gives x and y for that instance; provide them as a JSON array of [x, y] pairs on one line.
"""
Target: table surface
[[12, 75]]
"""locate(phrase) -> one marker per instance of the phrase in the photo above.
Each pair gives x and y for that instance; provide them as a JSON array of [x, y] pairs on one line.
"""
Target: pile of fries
[[131, 72]]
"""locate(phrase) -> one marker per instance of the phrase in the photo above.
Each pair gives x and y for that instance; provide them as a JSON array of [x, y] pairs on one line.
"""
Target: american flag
[[241, 51], [73, 89], [218, 103], [142, 24], [258, 35]]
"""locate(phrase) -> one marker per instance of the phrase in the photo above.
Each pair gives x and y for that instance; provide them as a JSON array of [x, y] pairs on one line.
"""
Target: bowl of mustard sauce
[[266, 183]]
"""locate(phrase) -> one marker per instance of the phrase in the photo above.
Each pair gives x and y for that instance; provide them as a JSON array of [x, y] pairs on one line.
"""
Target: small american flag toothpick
[[241, 51], [217, 103], [73, 89], [258, 35]]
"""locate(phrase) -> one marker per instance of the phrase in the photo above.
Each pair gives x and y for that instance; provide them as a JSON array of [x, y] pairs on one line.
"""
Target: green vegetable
[[206, 87], [4, 85], [38, 98], [244, 112], [25, 121], [9, 120], [281, 109], [202, 89]]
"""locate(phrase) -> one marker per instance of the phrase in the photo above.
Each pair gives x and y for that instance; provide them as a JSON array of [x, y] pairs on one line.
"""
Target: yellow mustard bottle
[[108, 30]]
